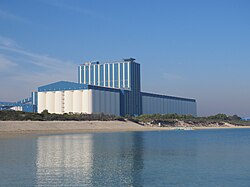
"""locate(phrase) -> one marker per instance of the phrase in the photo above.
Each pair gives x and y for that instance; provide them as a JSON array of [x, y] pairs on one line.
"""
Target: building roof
[[115, 62], [167, 97], [62, 85], [65, 85]]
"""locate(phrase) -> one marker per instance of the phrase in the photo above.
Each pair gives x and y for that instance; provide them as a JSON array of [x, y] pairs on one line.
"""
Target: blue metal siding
[[135, 87], [103, 88], [167, 97], [122, 103], [132, 98], [26, 107]]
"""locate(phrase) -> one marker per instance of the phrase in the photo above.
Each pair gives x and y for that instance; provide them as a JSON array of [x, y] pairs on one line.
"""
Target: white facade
[[72, 153], [88, 101], [161, 105]]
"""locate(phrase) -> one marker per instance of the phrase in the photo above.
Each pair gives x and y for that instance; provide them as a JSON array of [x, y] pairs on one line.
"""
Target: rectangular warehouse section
[[161, 104], [66, 97]]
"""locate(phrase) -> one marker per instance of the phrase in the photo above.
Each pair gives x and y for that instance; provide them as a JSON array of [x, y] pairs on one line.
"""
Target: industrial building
[[67, 97], [109, 88]]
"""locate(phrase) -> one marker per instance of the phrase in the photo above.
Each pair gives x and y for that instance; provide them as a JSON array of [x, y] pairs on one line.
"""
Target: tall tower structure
[[124, 75]]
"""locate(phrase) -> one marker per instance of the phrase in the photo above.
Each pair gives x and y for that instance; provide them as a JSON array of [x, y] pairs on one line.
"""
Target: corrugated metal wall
[[160, 105], [80, 101]]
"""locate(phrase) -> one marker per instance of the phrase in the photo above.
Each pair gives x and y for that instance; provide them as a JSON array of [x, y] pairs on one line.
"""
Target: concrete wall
[[80, 101], [161, 105]]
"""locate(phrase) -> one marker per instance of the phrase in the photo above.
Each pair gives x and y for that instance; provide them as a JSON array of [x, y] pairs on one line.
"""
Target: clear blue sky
[[198, 49]]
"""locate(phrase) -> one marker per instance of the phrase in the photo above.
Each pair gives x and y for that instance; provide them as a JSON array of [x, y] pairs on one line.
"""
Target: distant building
[[246, 119], [110, 88]]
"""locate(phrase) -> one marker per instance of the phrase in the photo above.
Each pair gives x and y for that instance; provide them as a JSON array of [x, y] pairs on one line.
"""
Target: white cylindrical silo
[[96, 101], [90, 109], [85, 101], [68, 101], [41, 102], [59, 102], [50, 102], [77, 101]]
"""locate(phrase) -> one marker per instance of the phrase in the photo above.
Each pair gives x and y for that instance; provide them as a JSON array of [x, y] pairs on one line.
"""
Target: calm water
[[165, 158]]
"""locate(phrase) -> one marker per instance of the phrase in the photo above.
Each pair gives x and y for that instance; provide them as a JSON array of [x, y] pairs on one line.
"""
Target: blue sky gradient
[[197, 49]]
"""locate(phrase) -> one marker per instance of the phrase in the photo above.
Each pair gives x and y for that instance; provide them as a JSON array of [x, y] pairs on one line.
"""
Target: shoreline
[[64, 127]]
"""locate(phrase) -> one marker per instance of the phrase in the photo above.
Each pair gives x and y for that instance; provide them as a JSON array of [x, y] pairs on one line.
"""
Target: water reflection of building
[[118, 159], [101, 159], [138, 159], [64, 159]]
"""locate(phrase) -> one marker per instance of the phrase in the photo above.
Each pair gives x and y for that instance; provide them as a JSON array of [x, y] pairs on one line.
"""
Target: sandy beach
[[52, 127]]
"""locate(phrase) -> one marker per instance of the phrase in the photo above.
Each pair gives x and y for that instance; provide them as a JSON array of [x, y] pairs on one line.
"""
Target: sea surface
[[159, 158]]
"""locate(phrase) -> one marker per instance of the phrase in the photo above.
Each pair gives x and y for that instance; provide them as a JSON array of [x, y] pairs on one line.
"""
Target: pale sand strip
[[52, 127]]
